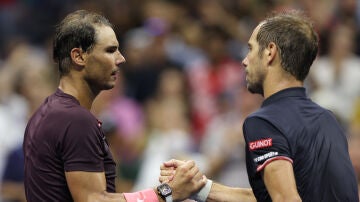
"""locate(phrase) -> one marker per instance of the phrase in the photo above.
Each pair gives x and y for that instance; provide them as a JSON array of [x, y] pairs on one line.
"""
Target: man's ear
[[78, 56], [271, 52]]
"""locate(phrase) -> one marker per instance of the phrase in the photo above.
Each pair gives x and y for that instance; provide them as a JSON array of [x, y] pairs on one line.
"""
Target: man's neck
[[79, 89], [275, 83]]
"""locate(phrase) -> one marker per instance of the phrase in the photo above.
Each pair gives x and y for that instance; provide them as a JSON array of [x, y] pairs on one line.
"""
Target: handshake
[[181, 180]]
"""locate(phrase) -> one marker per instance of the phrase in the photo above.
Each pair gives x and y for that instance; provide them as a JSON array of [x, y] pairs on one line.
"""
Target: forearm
[[13, 191], [106, 197], [120, 197], [144, 195], [220, 192], [125, 197]]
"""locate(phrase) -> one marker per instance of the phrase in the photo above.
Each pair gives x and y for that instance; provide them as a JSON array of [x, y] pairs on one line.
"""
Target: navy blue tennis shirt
[[289, 126]]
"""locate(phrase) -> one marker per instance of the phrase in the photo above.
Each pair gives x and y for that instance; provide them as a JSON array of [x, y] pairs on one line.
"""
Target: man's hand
[[167, 170], [183, 177]]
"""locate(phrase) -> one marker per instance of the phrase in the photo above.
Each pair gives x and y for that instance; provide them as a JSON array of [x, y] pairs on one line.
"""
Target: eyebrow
[[112, 47]]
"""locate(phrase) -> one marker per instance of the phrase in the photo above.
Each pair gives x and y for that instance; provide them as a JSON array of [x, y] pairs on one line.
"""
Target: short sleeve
[[264, 144], [83, 146]]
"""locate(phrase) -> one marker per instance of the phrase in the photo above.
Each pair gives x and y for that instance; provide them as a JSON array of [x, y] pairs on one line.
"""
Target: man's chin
[[109, 86], [255, 90]]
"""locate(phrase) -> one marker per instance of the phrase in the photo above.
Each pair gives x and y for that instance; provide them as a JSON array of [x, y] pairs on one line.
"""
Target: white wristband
[[202, 195]]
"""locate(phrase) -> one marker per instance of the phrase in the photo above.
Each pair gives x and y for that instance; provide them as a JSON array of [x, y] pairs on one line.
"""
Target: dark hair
[[76, 30], [297, 42]]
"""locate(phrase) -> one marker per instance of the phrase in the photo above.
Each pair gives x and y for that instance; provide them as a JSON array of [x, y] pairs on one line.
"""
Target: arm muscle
[[89, 187], [280, 181], [224, 193]]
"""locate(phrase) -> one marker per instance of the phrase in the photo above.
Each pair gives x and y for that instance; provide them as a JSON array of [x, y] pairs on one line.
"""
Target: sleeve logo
[[258, 144], [265, 156]]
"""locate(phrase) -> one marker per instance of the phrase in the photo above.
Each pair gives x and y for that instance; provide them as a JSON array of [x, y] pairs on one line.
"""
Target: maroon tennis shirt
[[63, 136]]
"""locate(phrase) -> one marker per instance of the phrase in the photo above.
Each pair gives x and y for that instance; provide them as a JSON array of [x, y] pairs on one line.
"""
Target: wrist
[[160, 198], [141, 196], [203, 193], [165, 192]]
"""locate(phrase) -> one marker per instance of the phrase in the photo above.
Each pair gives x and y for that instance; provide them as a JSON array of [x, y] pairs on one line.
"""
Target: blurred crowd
[[182, 92]]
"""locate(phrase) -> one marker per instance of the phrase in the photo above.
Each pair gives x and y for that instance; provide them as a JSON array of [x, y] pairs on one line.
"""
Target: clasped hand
[[184, 178]]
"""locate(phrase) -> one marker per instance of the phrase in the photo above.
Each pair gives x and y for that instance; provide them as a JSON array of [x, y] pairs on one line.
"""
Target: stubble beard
[[256, 87], [108, 86], [98, 86]]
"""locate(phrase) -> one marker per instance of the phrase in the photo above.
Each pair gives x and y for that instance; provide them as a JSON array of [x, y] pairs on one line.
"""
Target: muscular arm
[[280, 181], [220, 192], [89, 187], [278, 178], [217, 192]]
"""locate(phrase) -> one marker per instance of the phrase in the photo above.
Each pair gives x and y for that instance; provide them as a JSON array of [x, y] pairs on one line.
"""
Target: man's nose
[[120, 59], [245, 62]]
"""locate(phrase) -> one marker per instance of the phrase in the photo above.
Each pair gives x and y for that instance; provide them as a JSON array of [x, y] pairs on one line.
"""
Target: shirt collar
[[288, 92], [60, 93]]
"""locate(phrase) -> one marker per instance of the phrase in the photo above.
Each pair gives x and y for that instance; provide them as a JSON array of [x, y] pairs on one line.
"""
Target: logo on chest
[[258, 144]]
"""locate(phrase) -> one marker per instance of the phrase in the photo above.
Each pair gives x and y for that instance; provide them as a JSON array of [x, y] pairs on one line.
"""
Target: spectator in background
[[168, 127], [125, 118], [223, 143], [346, 14], [323, 20], [12, 185], [25, 81], [221, 74], [354, 140], [142, 75], [334, 77]]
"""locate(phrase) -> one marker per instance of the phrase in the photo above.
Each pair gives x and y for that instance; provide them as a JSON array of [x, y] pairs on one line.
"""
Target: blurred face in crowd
[[103, 61], [254, 65], [342, 38]]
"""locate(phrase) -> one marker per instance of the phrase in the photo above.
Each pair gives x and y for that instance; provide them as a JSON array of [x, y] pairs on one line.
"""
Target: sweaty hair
[[76, 30], [297, 42]]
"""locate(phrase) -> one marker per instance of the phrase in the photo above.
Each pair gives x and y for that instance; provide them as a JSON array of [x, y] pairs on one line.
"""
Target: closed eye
[[112, 49], [249, 47]]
